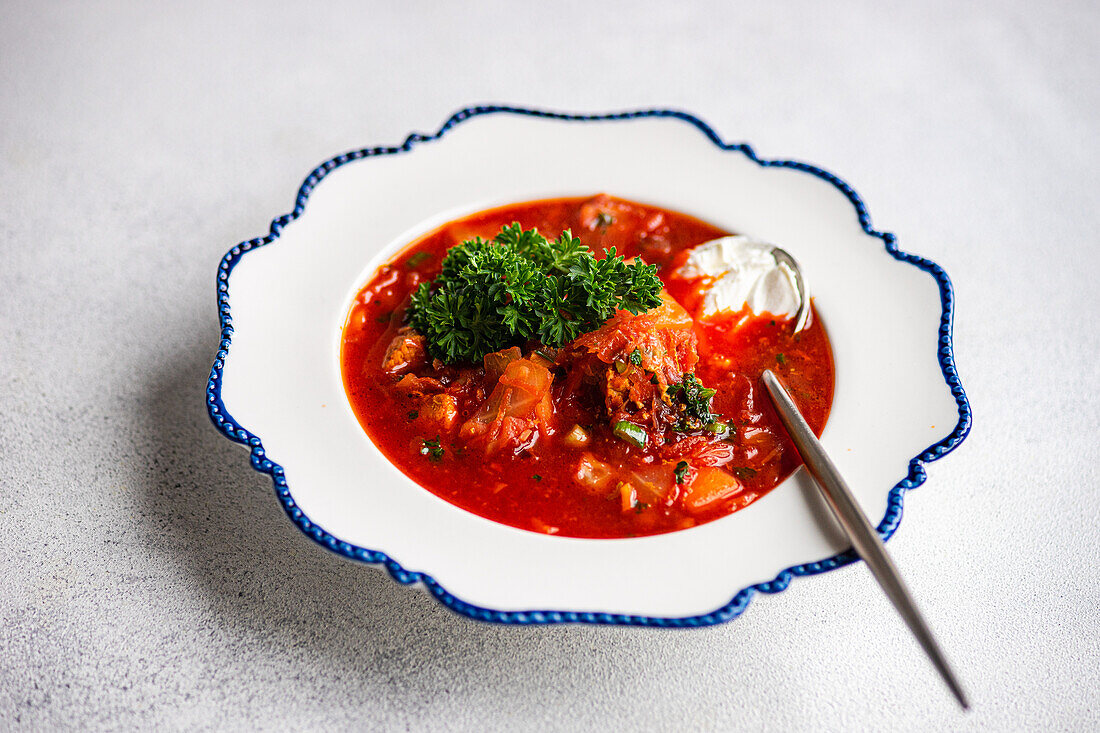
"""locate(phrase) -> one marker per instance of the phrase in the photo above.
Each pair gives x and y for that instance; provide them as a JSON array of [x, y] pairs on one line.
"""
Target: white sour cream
[[746, 273]]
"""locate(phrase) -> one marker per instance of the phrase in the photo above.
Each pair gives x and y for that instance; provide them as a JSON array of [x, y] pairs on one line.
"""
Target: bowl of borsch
[[517, 362]]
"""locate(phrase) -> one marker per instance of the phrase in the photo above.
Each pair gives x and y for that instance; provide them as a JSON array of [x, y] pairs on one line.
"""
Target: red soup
[[647, 421]]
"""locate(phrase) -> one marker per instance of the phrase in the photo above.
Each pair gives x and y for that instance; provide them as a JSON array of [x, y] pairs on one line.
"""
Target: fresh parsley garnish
[[493, 294], [693, 400], [432, 449]]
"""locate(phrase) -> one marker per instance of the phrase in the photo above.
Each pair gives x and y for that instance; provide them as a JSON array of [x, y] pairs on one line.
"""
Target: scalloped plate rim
[[889, 524]]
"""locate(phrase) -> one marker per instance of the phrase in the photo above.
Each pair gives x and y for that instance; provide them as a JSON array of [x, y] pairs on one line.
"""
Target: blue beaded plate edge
[[259, 460]]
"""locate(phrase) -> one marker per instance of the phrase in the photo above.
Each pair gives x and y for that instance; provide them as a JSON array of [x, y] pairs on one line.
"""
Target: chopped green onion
[[743, 473], [631, 433], [680, 471], [636, 358]]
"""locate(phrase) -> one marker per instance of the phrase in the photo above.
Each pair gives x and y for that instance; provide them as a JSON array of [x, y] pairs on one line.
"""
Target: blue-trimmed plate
[[276, 385]]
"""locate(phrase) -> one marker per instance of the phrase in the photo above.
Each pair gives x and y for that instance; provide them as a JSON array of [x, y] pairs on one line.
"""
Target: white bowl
[[276, 384]]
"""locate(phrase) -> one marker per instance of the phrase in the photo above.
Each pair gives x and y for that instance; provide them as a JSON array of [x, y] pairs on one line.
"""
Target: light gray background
[[149, 577]]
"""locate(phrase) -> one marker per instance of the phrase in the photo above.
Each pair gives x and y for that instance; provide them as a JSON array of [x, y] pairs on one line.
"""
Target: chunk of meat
[[632, 359], [407, 351], [621, 390], [415, 386], [517, 413], [440, 410], [663, 337]]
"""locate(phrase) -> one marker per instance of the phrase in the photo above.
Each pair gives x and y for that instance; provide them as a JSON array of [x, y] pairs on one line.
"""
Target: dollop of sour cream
[[745, 272]]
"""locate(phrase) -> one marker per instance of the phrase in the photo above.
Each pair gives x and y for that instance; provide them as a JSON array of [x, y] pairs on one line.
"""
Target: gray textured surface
[[149, 576]]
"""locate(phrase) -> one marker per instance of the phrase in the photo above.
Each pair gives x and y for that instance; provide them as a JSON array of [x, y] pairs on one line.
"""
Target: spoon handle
[[865, 540]]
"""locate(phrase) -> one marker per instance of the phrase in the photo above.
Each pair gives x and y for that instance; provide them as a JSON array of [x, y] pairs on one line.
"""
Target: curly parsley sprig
[[493, 294]]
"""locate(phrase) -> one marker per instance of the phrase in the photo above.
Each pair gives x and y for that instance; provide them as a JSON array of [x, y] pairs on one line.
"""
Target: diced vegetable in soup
[[547, 365]]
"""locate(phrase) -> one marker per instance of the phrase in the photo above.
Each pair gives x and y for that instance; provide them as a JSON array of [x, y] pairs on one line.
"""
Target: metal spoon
[[802, 315], [865, 540]]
